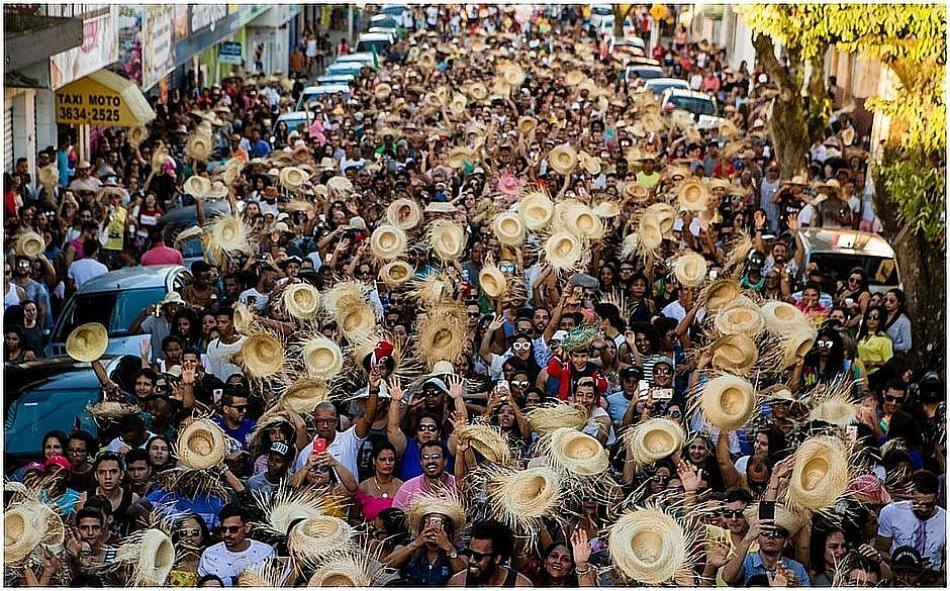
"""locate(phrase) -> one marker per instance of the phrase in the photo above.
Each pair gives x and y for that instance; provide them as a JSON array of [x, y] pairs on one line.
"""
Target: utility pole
[[349, 23]]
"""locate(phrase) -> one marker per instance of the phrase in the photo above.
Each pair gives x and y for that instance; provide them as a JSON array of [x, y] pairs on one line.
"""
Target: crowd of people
[[494, 318]]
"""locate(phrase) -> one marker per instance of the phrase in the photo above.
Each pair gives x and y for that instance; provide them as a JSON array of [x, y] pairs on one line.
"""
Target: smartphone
[[852, 433], [766, 510], [436, 520], [319, 445], [503, 385], [662, 393]]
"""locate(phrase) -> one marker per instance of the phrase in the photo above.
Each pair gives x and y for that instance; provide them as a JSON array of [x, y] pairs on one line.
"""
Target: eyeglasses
[[895, 399], [190, 531], [521, 346], [733, 514], [432, 457], [520, 383], [478, 556], [429, 428], [675, 414], [230, 529], [663, 371], [775, 533], [325, 421]]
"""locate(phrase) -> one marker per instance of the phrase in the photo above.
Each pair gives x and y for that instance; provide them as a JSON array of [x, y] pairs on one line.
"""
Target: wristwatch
[[454, 555]]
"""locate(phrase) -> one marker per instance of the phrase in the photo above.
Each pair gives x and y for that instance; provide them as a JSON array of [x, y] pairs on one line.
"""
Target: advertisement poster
[[129, 64], [181, 21], [99, 48], [158, 44]]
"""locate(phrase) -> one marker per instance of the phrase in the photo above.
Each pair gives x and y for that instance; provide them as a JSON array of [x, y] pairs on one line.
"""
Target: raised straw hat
[[797, 342], [137, 135], [388, 242], [322, 357], [522, 498], [340, 185], [575, 452], [563, 250], [721, 293], [292, 177], [549, 417], [152, 554], [30, 244], [690, 269], [650, 232], [351, 569], [736, 353], [441, 334], [781, 317], [536, 209], [447, 239], [665, 216], [197, 186], [230, 234], [404, 213], [243, 319], [315, 538], [304, 395], [87, 342], [563, 159], [648, 546], [692, 194], [262, 355], [509, 228], [784, 518], [492, 280], [512, 74], [487, 440], [728, 402], [445, 504], [301, 301], [740, 318], [821, 473], [201, 445], [26, 525], [48, 176], [580, 220], [198, 147], [653, 440], [396, 273], [527, 124], [607, 209]]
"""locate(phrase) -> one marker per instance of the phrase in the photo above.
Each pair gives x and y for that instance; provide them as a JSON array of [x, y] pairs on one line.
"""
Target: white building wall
[[46, 134], [19, 103]]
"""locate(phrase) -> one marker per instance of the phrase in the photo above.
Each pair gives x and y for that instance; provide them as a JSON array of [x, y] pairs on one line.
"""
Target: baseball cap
[[665, 360], [634, 371], [906, 559], [280, 448], [58, 461]]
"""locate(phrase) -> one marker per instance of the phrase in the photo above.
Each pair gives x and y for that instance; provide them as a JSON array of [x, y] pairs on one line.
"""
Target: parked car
[[115, 300], [364, 58], [658, 85], [383, 20], [378, 42], [182, 218], [344, 69], [704, 107], [40, 396], [294, 119], [645, 72], [601, 17], [314, 92], [394, 10], [838, 251]]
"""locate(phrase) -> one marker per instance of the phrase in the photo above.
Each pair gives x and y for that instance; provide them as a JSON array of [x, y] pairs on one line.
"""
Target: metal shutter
[[8, 139]]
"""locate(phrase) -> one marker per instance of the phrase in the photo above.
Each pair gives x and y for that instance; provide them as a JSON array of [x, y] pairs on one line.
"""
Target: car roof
[[131, 278], [687, 92], [825, 240], [373, 37], [658, 81], [646, 67], [326, 89], [359, 56], [336, 77], [293, 115], [51, 373]]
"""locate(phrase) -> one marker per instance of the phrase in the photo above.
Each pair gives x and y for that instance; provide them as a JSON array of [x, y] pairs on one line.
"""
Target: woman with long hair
[[824, 363], [191, 537], [874, 345], [375, 494], [827, 549], [565, 565], [159, 450], [15, 347], [208, 327], [185, 326], [897, 323]]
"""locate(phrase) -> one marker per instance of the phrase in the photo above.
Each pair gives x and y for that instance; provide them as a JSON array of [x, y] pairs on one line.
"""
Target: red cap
[[383, 350], [58, 461]]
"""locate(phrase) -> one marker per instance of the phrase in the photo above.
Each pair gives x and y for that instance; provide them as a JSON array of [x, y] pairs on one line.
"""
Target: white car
[[601, 17], [704, 107], [659, 85]]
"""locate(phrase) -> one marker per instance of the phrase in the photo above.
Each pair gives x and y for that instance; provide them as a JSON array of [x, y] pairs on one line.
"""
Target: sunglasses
[[825, 344], [897, 399], [521, 346], [429, 428], [238, 407], [520, 383], [664, 371], [190, 531], [478, 556], [733, 514], [230, 529]]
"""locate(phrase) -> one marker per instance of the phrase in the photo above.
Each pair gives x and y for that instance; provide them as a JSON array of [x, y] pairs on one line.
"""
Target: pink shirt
[[372, 506], [414, 487], [162, 255]]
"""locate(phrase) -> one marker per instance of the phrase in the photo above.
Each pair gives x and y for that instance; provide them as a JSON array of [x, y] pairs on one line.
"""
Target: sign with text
[[230, 52], [100, 47], [158, 44], [105, 99]]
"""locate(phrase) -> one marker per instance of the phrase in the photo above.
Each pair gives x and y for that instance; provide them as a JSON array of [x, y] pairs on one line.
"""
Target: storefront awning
[[102, 98]]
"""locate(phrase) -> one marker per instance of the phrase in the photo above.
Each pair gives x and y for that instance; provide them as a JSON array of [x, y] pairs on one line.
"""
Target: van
[[378, 42], [837, 251]]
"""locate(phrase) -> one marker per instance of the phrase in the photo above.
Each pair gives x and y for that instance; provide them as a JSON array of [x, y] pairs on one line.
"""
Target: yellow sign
[[102, 98], [658, 12]]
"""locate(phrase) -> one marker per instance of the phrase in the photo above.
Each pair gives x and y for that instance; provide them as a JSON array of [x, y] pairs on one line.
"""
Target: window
[[695, 105], [41, 411], [881, 270], [114, 309]]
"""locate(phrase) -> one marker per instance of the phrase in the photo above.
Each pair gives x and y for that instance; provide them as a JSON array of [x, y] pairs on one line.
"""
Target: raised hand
[[456, 390], [689, 478], [717, 554], [395, 389], [581, 546]]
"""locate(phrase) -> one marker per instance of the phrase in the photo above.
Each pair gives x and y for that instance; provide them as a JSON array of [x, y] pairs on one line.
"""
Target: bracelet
[[583, 572]]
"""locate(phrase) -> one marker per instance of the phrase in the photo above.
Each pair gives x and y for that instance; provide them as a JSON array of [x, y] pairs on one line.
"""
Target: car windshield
[[648, 73], [881, 271], [40, 411], [602, 11], [114, 309], [379, 46], [695, 105], [294, 122]]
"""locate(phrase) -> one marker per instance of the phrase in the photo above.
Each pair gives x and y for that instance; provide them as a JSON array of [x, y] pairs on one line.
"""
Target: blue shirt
[[259, 149], [617, 405], [241, 433], [410, 465], [205, 505], [66, 503], [752, 566], [419, 573]]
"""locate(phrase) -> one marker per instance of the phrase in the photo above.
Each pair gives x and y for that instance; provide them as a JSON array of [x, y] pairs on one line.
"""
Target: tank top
[[11, 298]]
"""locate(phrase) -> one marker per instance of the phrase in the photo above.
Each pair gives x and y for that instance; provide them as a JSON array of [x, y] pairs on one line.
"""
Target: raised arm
[[393, 433], [365, 422]]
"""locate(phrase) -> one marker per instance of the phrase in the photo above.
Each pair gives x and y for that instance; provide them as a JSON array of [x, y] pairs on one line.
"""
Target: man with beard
[[918, 523], [279, 459], [433, 478], [235, 551], [492, 544], [772, 536]]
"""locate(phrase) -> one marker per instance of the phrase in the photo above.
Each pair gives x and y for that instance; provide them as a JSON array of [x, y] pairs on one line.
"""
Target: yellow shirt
[[648, 180], [875, 350], [116, 229]]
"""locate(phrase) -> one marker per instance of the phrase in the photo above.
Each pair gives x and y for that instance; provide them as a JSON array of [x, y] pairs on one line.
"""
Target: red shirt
[[162, 255]]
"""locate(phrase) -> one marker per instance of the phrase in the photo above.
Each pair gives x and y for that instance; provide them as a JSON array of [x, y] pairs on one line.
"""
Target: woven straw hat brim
[[664, 215], [820, 475], [396, 273], [577, 452], [690, 269], [243, 318], [607, 209], [692, 195], [486, 440], [447, 240], [229, 233], [722, 293], [322, 357], [262, 355], [48, 175], [198, 147], [563, 159], [30, 244], [521, 496], [87, 342], [404, 213], [156, 559], [24, 528], [536, 209], [835, 412], [734, 352], [784, 518], [320, 536], [304, 395], [388, 242], [728, 402], [433, 504], [301, 301], [509, 228], [492, 281], [197, 186], [581, 221], [654, 440], [563, 250], [797, 342], [340, 185], [292, 178], [201, 445], [650, 233], [781, 317], [740, 319], [648, 546]]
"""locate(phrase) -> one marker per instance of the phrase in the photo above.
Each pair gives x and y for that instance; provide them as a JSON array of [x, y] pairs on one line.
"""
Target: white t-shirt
[[116, 444], [218, 560], [898, 522], [260, 299], [219, 358], [344, 449], [84, 270], [806, 216], [677, 312]]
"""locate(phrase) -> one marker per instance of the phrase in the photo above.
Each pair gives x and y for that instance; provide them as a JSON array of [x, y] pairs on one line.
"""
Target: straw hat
[[322, 357], [87, 342], [526, 124], [30, 244], [728, 402], [575, 452], [243, 318], [590, 164], [649, 232], [262, 355], [734, 352], [487, 440], [536, 209], [404, 213], [201, 445], [492, 280], [292, 177], [340, 185], [153, 554], [835, 411], [158, 156], [441, 334], [351, 570], [316, 537], [48, 176], [549, 417], [218, 191], [137, 135], [648, 546], [574, 77], [847, 136], [781, 317], [447, 239], [26, 525], [395, 273], [692, 194], [304, 395], [301, 301], [784, 518], [821, 473], [690, 269], [388, 242], [607, 209], [740, 318], [427, 504], [478, 91], [563, 159], [382, 91], [198, 147], [509, 228], [229, 234], [637, 192], [721, 293], [512, 74], [563, 250], [521, 498], [580, 220], [197, 186], [654, 440], [459, 156], [665, 216]]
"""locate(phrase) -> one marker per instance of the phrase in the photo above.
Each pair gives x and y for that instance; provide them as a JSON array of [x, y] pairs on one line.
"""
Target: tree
[[621, 12], [910, 39]]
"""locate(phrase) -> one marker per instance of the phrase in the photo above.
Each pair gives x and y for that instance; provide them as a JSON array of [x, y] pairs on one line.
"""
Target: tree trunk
[[621, 11], [787, 125], [819, 106]]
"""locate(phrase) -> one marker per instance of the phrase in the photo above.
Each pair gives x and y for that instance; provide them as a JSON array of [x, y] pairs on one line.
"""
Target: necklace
[[379, 489]]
